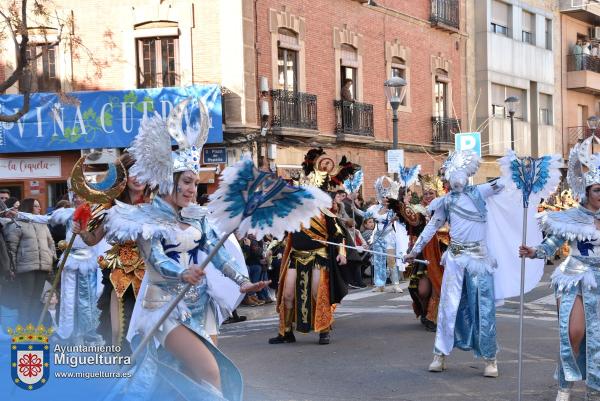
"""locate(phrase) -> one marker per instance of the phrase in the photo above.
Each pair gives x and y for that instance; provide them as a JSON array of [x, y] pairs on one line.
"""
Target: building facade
[[306, 51], [280, 65], [121, 46], [580, 72], [515, 51]]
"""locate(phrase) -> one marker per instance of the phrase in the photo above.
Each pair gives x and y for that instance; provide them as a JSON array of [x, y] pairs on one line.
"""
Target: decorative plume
[[354, 183], [251, 199], [408, 175], [530, 175]]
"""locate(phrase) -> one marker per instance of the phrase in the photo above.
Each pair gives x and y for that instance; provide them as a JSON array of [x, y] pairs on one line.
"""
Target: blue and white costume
[[467, 313], [168, 250], [80, 283], [579, 274], [170, 241]]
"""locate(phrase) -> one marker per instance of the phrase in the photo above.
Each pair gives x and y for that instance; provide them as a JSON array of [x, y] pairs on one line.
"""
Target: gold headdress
[[432, 182], [321, 170]]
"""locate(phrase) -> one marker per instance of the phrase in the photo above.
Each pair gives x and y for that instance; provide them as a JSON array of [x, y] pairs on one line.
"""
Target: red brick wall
[[424, 41], [377, 28]]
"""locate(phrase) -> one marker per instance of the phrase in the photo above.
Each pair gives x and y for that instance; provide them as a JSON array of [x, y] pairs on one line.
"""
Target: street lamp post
[[511, 106], [592, 124], [395, 90]]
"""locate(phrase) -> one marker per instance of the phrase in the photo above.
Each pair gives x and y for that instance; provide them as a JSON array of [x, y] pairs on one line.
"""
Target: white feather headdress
[[155, 163], [385, 187], [463, 160], [581, 156]]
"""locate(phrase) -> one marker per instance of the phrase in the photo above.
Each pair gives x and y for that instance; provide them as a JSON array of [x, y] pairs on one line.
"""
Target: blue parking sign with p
[[468, 141]]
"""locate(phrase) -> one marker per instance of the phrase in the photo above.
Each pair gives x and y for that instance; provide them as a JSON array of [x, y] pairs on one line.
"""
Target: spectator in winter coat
[[32, 253]]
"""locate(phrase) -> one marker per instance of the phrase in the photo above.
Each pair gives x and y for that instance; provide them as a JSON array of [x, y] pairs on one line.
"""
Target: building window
[[349, 71], [399, 70], [440, 89], [158, 62], [44, 74], [500, 18], [528, 27], [548, 34], [500, 93], [287, 60], [545, 102]]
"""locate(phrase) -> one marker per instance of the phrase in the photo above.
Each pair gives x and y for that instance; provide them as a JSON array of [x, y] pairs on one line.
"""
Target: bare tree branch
[[21, 69]]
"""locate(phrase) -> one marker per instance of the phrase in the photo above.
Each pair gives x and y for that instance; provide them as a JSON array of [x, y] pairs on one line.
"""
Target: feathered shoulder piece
[[60, 217], [125, 222], [408, 175], [575, 223]]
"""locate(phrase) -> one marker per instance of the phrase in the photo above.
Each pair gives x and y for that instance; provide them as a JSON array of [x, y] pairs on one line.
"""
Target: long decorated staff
[[101, 193], [352, 185], [530, 175], [250, 199]]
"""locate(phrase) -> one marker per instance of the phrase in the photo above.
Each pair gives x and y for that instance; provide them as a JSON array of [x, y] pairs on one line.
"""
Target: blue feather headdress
[[249, 199], [408, 175], [354, 183], [530, 175]]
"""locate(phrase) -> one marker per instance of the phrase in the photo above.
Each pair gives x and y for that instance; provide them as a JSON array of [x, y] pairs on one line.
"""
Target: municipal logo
[[30, 356]]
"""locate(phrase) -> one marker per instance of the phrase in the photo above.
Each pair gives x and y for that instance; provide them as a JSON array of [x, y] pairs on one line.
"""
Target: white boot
[[438, 364], [563, 395], [491, 368]]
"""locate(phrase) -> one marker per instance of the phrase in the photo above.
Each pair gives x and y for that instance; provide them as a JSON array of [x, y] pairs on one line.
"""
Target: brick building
[[305, 51], [290, 55]]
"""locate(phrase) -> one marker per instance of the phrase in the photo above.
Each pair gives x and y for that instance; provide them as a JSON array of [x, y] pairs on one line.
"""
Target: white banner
[[30, 167]]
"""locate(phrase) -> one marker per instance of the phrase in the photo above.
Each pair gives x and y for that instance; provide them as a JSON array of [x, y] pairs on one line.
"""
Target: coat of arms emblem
[[30, 356]]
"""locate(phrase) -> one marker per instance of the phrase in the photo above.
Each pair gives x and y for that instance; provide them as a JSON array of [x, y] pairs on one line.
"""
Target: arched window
[[441, 94], [287, 59], [399, 70], [157, 54], [349, 72]]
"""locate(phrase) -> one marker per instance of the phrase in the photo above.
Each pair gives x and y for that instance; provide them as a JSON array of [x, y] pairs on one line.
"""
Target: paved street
[[379, 351]]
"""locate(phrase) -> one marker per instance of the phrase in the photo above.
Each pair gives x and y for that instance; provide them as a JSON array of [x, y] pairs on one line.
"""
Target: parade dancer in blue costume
[[467, 313], [174, 236], [384, 238], [576, 280]]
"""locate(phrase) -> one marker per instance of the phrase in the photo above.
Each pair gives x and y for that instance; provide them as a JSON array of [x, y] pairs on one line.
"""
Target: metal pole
[[522, 295], [61, 266], [512, 130], [395, 125]]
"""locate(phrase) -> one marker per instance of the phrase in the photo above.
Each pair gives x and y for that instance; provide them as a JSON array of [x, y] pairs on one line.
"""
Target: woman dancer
[[174, 236], [576, 280]]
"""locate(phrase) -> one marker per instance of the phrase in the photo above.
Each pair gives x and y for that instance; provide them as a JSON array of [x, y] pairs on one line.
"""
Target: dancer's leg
[[199, 362]]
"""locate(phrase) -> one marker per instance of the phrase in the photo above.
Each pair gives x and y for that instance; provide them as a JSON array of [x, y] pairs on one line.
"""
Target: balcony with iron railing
[[583, 10], [576, 134], [445, 14], [583, 73], [444, 130], [353, 121], [294, 113]]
